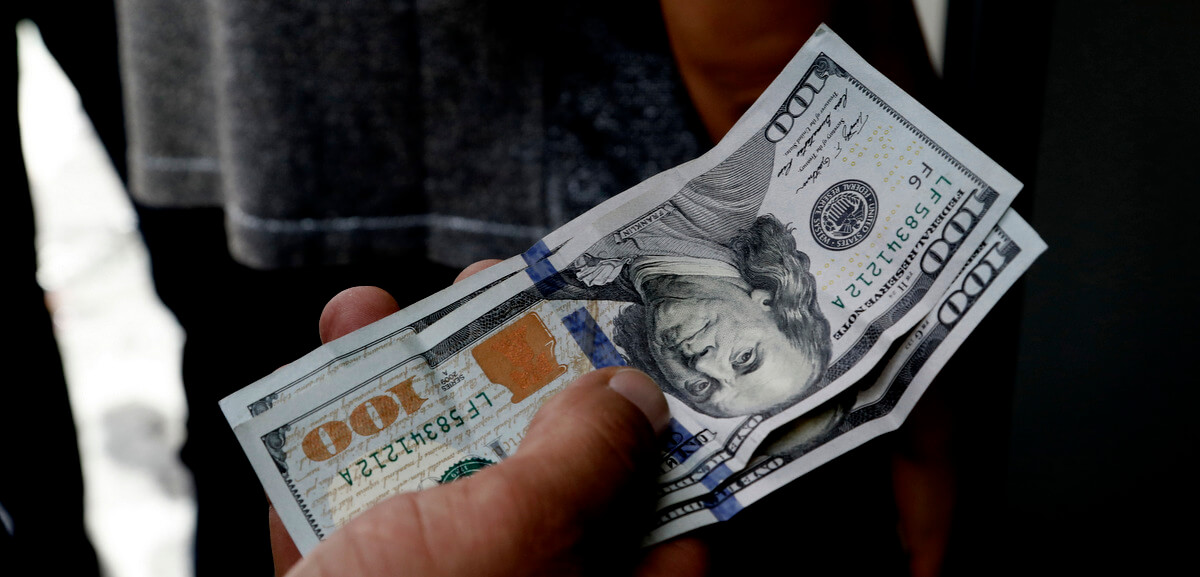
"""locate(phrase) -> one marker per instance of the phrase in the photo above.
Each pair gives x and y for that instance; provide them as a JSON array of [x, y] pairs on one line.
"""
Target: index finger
[[476, 267], [354, 308]]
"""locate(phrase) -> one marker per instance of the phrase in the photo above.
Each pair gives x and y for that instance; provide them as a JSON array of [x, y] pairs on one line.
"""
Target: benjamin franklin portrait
[[723, 310]]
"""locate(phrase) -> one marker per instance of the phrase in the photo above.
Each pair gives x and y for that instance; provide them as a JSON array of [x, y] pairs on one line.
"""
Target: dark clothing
[[372, 130]]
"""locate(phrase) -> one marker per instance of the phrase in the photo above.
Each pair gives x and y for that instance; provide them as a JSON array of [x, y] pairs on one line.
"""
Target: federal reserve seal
[[464, 468], [844, 215]]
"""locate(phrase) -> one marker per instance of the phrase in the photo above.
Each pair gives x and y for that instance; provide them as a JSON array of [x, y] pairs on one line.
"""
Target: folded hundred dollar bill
[[870, 408], [757, 284]]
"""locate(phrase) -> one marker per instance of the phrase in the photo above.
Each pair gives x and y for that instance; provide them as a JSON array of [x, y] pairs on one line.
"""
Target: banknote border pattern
[[265, 403], [823, 63], [273, 440], [880, 407]]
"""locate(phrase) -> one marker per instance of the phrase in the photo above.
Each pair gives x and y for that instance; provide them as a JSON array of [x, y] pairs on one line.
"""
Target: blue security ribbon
[[592, 340], [726, 505], [714, 477], [545, 277], [725, 508], [677, 434], [536, 252]]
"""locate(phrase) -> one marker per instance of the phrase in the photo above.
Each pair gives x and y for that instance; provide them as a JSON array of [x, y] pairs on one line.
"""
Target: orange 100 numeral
[[368, 419]]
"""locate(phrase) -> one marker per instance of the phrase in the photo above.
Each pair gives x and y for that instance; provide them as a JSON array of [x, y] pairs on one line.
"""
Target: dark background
[[1093, 104]]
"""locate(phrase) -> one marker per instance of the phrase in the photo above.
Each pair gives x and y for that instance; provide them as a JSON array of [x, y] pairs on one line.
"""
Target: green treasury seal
[[464, 468], [844, 215]]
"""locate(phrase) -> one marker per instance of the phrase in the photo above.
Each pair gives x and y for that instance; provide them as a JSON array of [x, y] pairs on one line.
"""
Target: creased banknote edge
[[874, 428], [350, 348]]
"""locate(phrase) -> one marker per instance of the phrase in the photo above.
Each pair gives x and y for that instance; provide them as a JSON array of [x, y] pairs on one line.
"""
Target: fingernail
[[640, 390]]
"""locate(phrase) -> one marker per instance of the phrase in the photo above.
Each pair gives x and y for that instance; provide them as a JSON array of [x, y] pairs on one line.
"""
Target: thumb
[[582, 477], [594, 439], [577, 494]]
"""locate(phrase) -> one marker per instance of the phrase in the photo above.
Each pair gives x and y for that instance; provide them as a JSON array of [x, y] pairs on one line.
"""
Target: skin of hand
[[576, 498], [728, 52]]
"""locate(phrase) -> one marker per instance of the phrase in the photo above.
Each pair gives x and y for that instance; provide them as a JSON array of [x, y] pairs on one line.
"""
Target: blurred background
[[121, 348], [1072, 448]]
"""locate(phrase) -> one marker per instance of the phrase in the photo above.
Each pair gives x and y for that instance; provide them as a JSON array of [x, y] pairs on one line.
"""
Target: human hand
[[575, 499]]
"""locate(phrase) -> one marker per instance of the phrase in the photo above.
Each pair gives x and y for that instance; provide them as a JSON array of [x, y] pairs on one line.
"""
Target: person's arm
[[728, 52]]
